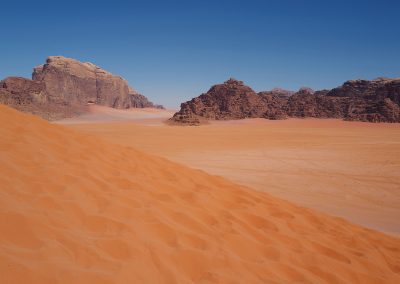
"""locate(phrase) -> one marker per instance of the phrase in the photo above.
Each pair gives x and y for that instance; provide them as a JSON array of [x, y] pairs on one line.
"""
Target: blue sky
[[172, 51]]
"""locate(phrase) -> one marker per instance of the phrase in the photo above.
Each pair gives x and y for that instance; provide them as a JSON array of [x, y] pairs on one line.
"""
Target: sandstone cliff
[[374, 101], [31, 96], [63, 87], [69, 80]]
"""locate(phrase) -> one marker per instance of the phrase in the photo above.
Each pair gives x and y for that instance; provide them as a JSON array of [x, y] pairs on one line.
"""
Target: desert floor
[[75, 208], [347, 169]]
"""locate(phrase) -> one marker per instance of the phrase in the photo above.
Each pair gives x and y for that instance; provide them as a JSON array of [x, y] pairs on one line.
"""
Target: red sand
[[77, 209], [347, 169]]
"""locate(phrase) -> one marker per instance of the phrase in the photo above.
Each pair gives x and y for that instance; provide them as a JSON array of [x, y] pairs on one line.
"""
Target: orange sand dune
[[75, 209], [347, 169]]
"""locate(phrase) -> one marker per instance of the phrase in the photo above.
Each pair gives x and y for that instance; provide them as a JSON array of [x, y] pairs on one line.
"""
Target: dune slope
[[345, 169], [75, 209]]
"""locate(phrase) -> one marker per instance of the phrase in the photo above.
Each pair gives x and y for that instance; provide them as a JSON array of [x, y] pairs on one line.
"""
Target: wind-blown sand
[[101, 114], [348, 169], [77, 209]]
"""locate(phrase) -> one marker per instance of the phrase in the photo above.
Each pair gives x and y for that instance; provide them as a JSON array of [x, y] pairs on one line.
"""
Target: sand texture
[[347, 169], [77, 209], [102, 114]]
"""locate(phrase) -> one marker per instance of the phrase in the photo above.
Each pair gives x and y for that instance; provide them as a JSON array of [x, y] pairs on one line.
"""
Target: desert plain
[[124, 198], [200, 142], [346, 169]]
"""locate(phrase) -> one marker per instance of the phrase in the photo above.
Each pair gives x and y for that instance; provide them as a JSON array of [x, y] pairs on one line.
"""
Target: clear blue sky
[[172, 51]]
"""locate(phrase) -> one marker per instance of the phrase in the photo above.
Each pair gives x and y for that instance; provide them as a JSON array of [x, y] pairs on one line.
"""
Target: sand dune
[[101, 114], [77, 209], [348, 169]]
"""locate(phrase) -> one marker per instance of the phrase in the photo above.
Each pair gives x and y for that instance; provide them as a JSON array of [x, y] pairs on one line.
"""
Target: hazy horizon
[[171, 52]]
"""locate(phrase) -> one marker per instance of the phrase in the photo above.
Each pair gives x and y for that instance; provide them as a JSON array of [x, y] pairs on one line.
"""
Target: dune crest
[[75, 209]]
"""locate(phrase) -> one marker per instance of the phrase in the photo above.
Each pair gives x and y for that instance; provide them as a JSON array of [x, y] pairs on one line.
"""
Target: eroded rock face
[[375, 101], [361, 100], [282, 93], [63, 87], [30, 96], [230, 100], [69, 80], [21, 91]]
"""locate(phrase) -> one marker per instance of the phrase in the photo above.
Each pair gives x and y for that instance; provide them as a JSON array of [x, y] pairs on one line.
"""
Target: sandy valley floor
[[77, 209], [346, 169]]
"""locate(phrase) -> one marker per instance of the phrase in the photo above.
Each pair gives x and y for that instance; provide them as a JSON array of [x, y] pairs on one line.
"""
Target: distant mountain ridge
[[62, 87], [361, 100]]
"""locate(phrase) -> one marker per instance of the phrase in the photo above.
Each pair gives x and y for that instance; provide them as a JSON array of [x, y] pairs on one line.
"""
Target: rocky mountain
[[361, 100], [62, 87], [375, 101], [31, 96], [230, 100]]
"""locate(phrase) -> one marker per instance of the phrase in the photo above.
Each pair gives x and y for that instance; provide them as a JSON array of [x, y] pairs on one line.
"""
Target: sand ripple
[[75, 209]]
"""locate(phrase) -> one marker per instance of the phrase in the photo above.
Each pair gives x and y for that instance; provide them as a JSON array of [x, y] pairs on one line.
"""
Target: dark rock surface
[[362, 100], [30, 96], [282, 93], [230, 100], [63, 87]]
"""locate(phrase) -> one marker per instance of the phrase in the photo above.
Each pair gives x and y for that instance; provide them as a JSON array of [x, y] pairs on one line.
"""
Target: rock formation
[[31, 96], [375, 101], [63, 87], [362, 100], [282, 93], [230, 100]]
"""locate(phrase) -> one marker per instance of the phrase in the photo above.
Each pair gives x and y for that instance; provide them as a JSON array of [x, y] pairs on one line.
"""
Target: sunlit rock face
[[62, 87], [362, 100]]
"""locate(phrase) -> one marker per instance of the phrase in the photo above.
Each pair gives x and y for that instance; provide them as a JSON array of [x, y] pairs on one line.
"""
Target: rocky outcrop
[[375, 101], [30, 96], [361, 100], [66, 85], [69, 80], [230, 100], [25, 91], [282, 93]]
